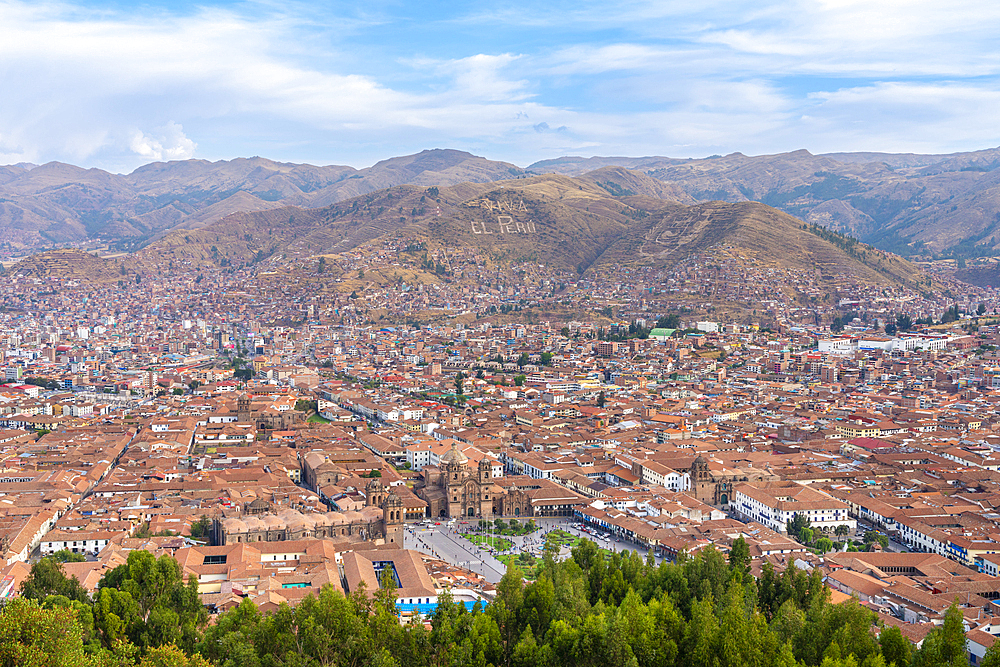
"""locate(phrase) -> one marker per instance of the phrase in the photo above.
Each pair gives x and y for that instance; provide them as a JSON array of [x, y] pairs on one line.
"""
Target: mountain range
[[55, 203], [918, 205], [593, 223], [906, 203]]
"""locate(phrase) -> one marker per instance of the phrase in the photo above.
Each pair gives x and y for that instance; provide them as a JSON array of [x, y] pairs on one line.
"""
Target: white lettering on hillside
[[505, 225]]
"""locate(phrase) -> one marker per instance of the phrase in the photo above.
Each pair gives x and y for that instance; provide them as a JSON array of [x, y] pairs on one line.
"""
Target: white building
[[989, 564], [79, 542], [419, 455], [886, 344], [81, 410], [838, 346], [657, 474], [930, 342], [774, 504]]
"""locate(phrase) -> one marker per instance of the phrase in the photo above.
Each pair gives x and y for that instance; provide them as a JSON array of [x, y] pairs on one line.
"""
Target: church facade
[[454, 490], [716, 487], [382, 518], [268, 418]]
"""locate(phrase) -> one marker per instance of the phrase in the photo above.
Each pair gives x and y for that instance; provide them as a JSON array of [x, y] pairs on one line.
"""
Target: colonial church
[[716, 487], [453, 490], [382, 518], [272, 415]]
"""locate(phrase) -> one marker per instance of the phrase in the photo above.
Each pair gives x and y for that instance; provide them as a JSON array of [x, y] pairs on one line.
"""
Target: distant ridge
[[608, 218], [59, 203], [909, 204]]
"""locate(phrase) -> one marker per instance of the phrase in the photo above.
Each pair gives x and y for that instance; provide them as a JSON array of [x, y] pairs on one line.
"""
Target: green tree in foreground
[[47, 578], [593, 609], [146, 601], [31, 635], [945, 646], [895, 647], [171, 656], [739, 557]]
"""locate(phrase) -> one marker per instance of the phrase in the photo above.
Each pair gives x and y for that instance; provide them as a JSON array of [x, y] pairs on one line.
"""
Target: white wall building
[[774, 504], [838, 346], [79, 542]]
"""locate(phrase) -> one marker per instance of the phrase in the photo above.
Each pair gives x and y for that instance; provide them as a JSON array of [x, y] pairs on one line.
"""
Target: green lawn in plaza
[[498, 543], [563, 538]]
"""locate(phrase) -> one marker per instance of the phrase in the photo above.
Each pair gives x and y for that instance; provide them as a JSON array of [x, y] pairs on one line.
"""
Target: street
[[610, 543], [441, 542]]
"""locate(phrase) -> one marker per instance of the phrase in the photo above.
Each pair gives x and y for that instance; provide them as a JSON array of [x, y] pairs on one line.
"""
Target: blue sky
[[116, 85]]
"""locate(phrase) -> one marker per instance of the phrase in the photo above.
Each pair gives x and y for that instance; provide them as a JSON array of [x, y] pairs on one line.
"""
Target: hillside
[[563, 222], [943, 205], [619, 181], [557, 220], [57, 203], [69, 264], [760, 233], [910, 204]]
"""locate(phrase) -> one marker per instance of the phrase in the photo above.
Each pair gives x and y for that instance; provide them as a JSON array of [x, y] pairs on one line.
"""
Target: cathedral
[[453, 490], [706, 487], [382, 518], [266, 417], [716, 488]]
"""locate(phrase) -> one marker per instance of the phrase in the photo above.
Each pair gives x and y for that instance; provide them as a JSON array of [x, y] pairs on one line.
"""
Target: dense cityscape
[[519, 334], [278, 432]]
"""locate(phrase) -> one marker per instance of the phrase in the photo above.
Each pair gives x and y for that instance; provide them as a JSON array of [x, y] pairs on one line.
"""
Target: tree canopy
[[592, 609]]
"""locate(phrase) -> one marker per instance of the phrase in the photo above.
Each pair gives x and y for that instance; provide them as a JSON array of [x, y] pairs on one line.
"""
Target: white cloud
[[479, 77], [74, 85], [885, 116], [169, 143], [10, 147], [896, 38], [114, 89], [582, 59]]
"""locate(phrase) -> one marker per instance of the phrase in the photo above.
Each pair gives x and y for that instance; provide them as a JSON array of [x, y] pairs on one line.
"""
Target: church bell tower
[[393, 518]]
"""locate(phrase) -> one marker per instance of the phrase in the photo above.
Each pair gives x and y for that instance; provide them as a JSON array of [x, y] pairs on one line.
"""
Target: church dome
[[260, 504], [454, 456]]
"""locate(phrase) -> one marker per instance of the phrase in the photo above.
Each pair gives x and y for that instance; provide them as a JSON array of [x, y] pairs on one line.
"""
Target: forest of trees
[[589, 610]]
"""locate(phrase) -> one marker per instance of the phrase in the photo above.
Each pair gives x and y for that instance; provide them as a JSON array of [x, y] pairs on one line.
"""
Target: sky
[[116, 85]]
